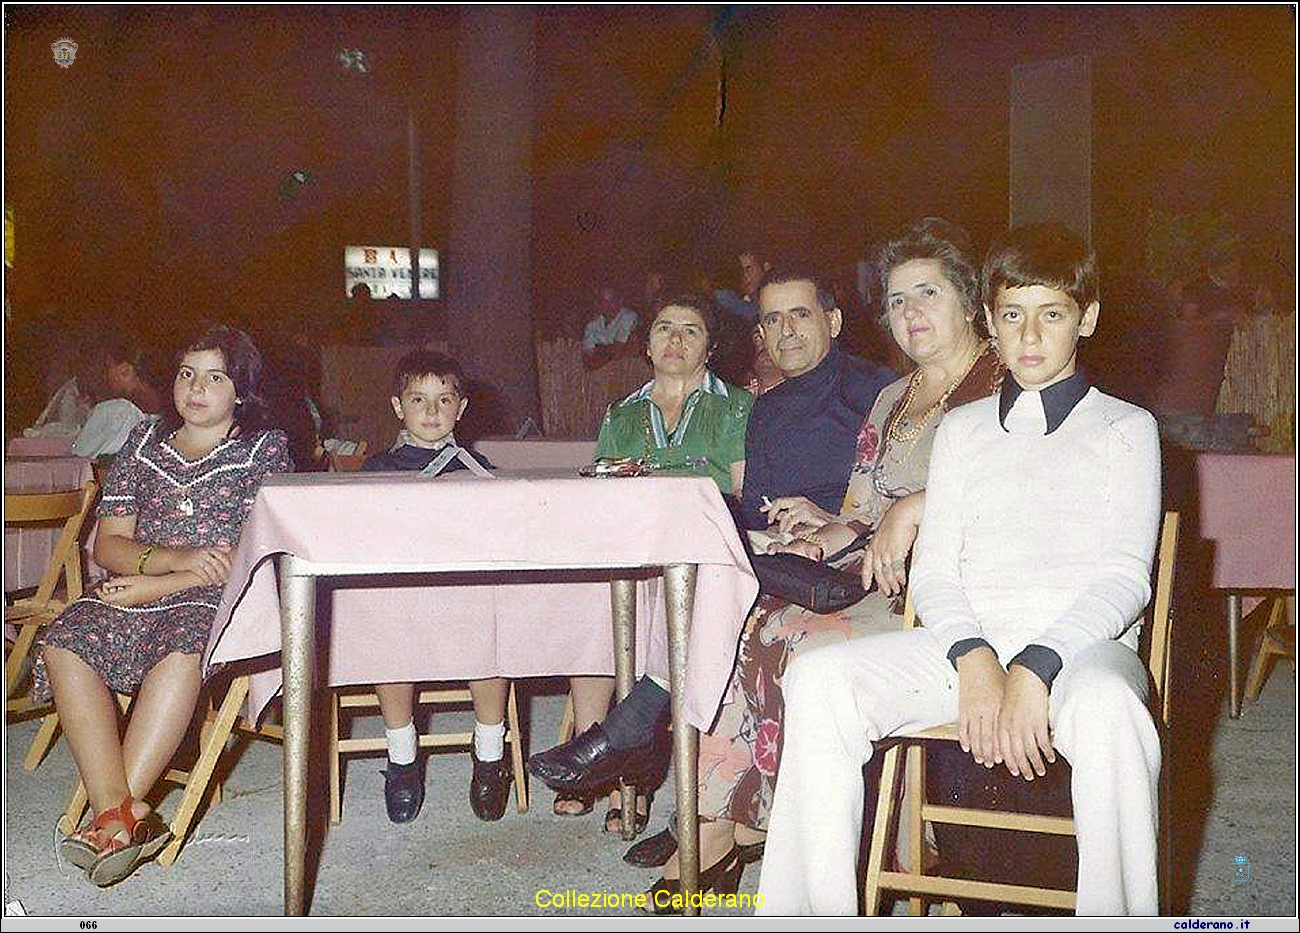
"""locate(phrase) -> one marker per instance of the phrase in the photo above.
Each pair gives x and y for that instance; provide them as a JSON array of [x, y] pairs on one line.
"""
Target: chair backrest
[[70, 508], [348, 463], [1158, 629]]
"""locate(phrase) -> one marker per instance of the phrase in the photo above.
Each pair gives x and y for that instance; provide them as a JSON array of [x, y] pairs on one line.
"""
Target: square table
[[1247, 508], [497, 531]]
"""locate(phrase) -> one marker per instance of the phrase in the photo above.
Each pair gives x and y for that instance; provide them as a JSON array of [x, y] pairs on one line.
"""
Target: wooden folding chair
[[30, 614], [911, 879], [354, 699], [218, 726], [346, 463]]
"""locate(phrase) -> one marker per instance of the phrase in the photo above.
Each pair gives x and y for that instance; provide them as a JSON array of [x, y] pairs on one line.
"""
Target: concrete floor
[[448, 863]]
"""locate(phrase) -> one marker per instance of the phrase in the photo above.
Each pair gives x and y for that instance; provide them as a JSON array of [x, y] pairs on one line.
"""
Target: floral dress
[[739, 756], [177, 503]]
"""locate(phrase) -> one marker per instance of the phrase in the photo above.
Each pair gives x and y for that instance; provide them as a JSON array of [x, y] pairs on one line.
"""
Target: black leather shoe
[[404, 791], [652, 852], [723, 877], [489, 788], [587, 763], [655, 851]]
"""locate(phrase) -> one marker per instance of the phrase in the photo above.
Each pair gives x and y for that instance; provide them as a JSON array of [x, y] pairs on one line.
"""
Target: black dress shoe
[[489, 788], [587, 762], [652, 852], [404, 791], [723, 876], [659, 848]]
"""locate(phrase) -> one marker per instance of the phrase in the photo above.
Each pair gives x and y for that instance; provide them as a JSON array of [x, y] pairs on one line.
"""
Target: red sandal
[[117, 858]]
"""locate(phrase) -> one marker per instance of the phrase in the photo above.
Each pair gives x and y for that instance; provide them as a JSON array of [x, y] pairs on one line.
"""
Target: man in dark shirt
[[798, 450]]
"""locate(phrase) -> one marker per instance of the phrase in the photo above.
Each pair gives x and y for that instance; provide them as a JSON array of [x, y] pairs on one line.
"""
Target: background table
[[545, 520], [28, 550], [1247, 509]]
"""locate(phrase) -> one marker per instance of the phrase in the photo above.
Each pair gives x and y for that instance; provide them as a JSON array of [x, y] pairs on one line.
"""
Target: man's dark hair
[[793, 272], [1041, 254]]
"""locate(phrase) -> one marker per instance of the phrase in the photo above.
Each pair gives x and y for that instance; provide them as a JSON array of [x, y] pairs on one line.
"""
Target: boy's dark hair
[[244, 366], [1041, 254], [420, 363], [698, 302], [937, 239], [782, 273]]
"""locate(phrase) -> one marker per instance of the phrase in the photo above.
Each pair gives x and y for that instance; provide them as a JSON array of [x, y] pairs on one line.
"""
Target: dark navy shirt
[[803, 434]]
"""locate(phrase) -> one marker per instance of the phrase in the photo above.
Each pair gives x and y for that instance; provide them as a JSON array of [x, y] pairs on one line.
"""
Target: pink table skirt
[[518, 522], [1248, 511], [28, 550]]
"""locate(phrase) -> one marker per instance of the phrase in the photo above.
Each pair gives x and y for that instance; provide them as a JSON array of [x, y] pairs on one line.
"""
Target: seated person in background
[[745, 306], [119, 379], [802, 436], [685, 419], [1032, 567], [610, 332], [169, 520], [428, 400]]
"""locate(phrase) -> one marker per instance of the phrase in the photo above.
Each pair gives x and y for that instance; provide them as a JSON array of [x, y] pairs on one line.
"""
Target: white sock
[[489, 741], [402, 743]]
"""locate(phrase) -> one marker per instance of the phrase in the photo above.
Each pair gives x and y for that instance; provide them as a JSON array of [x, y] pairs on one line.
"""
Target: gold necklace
[[898, 434]]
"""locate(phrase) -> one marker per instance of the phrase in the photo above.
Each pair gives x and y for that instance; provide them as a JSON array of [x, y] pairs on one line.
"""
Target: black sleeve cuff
[[965, 646], [1041, 661]]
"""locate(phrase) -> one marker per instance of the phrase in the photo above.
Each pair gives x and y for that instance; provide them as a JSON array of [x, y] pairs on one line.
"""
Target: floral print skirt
[[740, 755], [123, 644]]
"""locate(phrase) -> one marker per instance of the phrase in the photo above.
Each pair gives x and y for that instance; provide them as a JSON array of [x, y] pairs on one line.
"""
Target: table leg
[[298, 635], [622, 594], [1234, 625], [679, 597]]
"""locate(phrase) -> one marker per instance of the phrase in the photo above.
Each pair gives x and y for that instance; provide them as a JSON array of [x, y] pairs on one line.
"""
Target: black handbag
[[809, 583]]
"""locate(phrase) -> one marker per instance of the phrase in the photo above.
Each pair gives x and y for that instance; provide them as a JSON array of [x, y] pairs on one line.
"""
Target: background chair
[[28, 615], [346, 456], [910, 878]]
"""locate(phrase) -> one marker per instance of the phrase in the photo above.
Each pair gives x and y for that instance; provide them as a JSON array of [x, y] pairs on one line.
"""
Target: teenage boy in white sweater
[[1032, 566]]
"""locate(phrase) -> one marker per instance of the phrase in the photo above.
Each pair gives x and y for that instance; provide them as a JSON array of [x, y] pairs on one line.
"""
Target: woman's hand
[[135, 590], [982, 685], [210, 564], [791, 512], [886, 556], [800, 546]]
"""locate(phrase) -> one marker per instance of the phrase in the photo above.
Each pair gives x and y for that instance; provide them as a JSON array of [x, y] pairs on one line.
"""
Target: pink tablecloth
[[28, 550], [1248, 510], [539, 520]]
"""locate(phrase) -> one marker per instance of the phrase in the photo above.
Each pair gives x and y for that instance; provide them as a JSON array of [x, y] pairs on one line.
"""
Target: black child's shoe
[[404, 791], [489, 788]]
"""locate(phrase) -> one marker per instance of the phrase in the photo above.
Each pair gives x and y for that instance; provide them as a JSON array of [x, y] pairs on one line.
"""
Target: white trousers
[[842, 698]]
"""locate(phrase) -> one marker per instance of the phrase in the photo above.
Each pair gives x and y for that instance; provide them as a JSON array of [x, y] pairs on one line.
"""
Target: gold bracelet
[[144, 559]]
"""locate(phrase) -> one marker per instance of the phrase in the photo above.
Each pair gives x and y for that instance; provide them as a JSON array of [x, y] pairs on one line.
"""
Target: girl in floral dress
[[173, 505]]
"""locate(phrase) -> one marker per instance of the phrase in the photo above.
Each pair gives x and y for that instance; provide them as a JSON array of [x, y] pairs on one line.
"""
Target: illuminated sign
[[386, 271]]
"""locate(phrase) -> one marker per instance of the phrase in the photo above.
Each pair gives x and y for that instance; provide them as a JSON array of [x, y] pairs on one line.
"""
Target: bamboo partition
[[573, 398], [1259, 379]]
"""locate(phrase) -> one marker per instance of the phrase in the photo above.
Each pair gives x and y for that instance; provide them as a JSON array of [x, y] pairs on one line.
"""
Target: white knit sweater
[[1036, 538]]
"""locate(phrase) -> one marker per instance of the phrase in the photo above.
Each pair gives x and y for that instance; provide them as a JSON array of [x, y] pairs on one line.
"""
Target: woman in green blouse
[[685, 419]]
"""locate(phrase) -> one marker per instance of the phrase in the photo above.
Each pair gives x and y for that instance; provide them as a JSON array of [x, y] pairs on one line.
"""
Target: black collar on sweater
[[1058, 399]]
